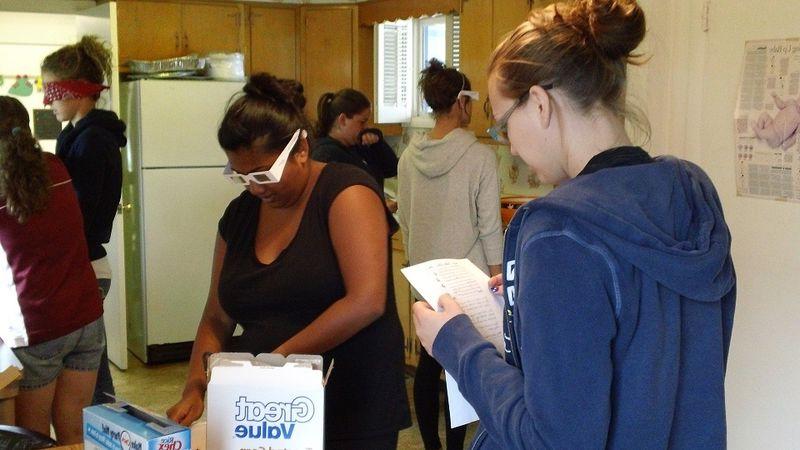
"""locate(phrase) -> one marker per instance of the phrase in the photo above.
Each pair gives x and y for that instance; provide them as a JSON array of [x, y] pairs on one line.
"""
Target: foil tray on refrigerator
[[180, 64]]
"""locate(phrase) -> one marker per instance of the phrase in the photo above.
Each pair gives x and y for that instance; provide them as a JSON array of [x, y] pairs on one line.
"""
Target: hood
[[435, 157], [665, 219], [99, 118]]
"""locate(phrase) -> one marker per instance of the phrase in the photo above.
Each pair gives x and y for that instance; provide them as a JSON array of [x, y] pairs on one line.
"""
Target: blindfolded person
[[73, 78]]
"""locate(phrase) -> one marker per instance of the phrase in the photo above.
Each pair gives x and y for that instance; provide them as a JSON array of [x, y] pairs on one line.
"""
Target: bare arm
[[359, 233], [214, 330]]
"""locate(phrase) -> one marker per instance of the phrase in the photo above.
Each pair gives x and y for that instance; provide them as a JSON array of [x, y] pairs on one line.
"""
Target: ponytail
[[347, 101], [325, 116]]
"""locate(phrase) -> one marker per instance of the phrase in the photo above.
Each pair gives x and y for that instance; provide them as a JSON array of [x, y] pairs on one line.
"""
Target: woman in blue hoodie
[[89, 146], [619, 285]]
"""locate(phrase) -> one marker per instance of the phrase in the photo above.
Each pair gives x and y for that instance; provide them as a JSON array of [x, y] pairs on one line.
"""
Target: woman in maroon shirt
[[50, 308]]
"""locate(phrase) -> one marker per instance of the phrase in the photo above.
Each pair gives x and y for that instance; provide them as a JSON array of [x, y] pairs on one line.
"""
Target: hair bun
[[616, 27], [434, 66], [266, 87]]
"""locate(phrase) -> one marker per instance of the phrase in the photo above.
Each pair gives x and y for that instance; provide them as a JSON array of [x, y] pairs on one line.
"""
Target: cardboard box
[[267, 401], [119, 425], [10, 374]]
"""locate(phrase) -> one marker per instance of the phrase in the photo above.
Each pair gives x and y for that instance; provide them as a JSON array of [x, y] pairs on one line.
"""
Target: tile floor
[[159, 387]]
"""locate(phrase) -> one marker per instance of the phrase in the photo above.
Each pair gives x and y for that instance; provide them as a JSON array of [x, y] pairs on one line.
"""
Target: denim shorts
[[80, 350]]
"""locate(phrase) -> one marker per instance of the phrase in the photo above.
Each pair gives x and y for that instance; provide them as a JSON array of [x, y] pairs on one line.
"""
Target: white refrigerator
[[173, 197]]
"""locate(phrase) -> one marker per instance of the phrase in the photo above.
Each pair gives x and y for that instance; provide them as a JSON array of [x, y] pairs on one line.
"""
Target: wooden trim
[[376, 11], [355, 68]]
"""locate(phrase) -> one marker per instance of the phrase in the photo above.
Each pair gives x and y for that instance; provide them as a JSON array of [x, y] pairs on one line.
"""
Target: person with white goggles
[[449, 207], [301, 263]]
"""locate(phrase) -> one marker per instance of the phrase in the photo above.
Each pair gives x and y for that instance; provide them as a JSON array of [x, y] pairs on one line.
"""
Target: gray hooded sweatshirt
[[448, 199]]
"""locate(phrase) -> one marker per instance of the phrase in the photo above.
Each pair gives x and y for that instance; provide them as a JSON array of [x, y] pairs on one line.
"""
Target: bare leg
[[34, 408], [75, 389]]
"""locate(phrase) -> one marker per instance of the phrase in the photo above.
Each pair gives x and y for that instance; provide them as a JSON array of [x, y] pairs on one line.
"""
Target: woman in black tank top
[[301, 263]]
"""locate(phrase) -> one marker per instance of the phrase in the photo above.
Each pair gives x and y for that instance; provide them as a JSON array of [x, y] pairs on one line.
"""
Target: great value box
[[120, 426], [265, 402]]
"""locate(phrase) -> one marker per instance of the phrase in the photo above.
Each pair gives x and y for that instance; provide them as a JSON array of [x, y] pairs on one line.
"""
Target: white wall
[[689, 89], [27, 38]]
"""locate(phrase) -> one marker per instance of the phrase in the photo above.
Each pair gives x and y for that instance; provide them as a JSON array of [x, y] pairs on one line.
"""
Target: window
[[403, 48]]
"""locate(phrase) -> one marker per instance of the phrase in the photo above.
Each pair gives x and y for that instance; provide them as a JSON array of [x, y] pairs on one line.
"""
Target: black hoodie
[[90, 150]]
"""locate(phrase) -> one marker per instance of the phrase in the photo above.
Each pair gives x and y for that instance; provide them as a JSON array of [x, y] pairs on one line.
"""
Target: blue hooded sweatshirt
[[620, 292]]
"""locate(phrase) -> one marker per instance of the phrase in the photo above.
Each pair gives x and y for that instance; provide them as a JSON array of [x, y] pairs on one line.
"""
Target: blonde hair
[[581, 47]]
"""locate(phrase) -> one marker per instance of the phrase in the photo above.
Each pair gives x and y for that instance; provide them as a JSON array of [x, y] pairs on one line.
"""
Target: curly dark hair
[[24, 178]]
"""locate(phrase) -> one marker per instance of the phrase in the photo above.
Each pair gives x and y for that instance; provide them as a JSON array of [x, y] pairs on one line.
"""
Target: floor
[[158, 387]]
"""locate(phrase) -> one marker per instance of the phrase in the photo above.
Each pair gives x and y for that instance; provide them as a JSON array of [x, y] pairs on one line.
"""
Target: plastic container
[[225, 66]]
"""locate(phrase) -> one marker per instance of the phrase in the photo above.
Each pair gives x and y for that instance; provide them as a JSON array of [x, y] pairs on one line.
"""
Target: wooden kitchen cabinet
[[478, 41], [506, 16], [328, 51], [156, 30], [148, 30], [476, 47], [212, 28], [273, 40], [404, 299]]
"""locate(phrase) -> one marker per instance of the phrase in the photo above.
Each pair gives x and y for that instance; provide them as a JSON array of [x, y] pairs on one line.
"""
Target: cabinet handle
[[185, 43], [177, 42]]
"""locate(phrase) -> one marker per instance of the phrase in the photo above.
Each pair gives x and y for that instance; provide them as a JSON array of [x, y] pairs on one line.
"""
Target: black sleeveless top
[[366, 393]]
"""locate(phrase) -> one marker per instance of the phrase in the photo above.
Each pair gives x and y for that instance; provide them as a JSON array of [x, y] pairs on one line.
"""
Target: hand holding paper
[[469, 288], [427, 322]]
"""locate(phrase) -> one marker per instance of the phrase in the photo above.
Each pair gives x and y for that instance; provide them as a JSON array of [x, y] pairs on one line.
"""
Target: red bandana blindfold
[[70, 89]]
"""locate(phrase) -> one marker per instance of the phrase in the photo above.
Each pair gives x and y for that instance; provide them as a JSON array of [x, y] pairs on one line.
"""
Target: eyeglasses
[[271, 176], [499, 131]]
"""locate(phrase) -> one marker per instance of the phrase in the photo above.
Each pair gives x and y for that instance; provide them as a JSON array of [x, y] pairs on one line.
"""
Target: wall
[[689, 91], [25, 39]]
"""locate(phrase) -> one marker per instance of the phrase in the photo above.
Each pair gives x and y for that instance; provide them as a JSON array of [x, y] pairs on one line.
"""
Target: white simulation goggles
[[474, 95], [271, 176]]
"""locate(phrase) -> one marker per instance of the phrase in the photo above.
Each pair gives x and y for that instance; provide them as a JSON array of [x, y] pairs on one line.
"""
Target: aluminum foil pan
[[181, 64]]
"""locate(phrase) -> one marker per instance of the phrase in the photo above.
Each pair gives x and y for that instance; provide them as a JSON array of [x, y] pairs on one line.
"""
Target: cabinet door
[[273, 41], [328, 61], [507, 15], [476, 47], [148, 30], [211, 28]]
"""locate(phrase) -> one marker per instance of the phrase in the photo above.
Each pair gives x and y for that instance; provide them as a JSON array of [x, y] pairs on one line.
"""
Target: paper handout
[[469, 286]]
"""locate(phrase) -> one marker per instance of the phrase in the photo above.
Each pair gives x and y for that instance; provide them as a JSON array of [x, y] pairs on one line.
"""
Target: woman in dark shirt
[[301, 263], [342, 136]]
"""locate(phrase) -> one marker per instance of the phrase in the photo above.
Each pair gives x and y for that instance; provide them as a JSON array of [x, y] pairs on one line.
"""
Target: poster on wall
[[767, 121]]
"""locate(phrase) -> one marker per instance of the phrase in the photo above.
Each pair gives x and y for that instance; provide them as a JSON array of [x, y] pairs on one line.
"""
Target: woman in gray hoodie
[[449, 207]]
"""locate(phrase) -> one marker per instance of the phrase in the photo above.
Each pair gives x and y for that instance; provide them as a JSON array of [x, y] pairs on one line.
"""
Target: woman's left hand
[[428, 322], [369, 138]]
